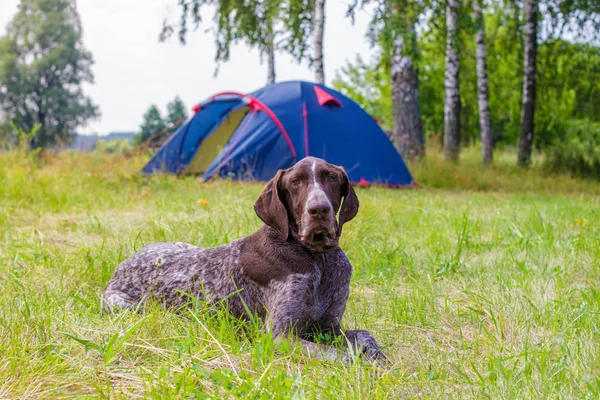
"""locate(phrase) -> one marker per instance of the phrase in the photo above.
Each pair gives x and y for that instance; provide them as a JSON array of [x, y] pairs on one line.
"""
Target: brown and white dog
[[291, 272]]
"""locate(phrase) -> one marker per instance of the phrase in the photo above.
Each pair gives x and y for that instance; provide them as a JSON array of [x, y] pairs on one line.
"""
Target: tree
[[43, 65], [392, 29], [529, 83], [152, 124], [568, 80], [408, 125], [270, 50], [581, 19], [451, 84], [319, 23], [483, 97], [176, 114], [268, 25], [369, 86]]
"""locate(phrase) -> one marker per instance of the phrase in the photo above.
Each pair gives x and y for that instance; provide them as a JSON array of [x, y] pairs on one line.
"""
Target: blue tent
[[251, 136]]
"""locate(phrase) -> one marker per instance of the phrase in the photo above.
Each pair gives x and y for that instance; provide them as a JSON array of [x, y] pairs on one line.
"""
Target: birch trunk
[[408, 127], [270, 55], [528, 110], [483, 97], [319, 21], [451, 85]]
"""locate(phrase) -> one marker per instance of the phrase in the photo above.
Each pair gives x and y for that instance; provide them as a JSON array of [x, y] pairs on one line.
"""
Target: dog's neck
[[266, 256]]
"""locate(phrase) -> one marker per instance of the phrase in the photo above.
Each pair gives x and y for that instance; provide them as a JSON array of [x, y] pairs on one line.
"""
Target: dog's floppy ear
[[349, 208], [270, 209]]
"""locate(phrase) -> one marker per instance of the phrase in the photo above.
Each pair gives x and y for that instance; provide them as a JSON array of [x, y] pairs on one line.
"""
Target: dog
[[291, 272]]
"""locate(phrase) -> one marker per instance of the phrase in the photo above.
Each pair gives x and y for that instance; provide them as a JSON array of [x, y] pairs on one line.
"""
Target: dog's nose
[[319, 210]]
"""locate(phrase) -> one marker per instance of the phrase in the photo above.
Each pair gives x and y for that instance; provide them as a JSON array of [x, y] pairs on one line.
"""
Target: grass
[[490, 294]]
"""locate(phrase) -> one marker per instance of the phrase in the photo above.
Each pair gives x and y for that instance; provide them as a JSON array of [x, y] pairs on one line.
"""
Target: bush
[[117, 146], [579, 152]]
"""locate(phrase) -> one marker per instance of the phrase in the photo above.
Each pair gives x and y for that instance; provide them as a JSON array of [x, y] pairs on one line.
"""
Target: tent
[[251, 136]]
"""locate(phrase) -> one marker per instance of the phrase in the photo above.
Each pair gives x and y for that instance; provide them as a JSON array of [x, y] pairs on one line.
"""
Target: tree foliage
[[578, 152], [393, 29], [42, 67], [117, 146], [574, 18], [568, 81], [370, 86], [152, 124], [386, 26], [176, 113], [252, 22]]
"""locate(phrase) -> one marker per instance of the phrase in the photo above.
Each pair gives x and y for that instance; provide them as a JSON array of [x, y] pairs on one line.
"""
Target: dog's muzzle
[[318, 226]]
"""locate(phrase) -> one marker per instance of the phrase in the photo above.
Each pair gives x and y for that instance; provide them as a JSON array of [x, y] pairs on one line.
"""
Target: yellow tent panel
[[212, 145]]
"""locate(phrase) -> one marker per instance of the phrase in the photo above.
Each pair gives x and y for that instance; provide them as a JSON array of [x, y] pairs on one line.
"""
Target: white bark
[[451, 85], [483, 97], [319, 21], [529, 83], [270, 56], [406, 109]]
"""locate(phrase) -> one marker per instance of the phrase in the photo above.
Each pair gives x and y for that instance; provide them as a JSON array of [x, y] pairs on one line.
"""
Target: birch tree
[[406, 109], [568, 96], [270, 52], [319, 29], [267, 25], [529, 83], [392, 28], [483, 97], [451, 84]]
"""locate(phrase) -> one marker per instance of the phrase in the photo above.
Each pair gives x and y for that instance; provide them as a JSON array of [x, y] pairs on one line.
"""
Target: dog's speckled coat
[[291, 272]]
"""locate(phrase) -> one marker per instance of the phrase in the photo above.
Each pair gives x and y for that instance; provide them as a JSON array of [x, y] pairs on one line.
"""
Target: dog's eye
[[296, 181], [331, 178]]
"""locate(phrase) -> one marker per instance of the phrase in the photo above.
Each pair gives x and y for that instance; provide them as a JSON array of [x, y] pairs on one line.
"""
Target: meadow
[[489, 293]]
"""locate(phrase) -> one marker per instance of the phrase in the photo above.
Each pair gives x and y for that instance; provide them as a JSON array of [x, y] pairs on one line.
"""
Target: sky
[[132, 70]]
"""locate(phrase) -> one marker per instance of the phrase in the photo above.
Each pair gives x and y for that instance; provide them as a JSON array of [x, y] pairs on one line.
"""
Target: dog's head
[[303, 201]]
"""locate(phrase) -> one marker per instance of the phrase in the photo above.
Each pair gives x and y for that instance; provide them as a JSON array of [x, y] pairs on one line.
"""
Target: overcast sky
[[132, 70]]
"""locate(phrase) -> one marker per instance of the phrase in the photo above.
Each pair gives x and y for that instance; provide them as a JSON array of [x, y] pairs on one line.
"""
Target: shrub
[[579, 152], [117, 146]]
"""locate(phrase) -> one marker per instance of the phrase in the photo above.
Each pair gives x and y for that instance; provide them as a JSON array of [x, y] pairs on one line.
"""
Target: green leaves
[[176, 113], [568, 82], [42, 67], [154, 122], [252, 22], [368, 85]]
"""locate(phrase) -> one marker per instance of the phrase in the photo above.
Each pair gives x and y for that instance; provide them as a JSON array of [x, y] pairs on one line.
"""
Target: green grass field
[[490, 294]]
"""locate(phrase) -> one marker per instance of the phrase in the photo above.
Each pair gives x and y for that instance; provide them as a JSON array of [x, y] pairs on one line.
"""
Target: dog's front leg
[[323, 352], [287, 318], [359, 343], [289, 327]]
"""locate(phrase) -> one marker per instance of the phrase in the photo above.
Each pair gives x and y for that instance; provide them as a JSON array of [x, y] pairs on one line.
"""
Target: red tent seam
[[305, 118], [256, 104]]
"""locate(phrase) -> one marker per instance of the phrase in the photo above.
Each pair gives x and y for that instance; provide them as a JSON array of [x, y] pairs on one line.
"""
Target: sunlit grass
[[472, 294]]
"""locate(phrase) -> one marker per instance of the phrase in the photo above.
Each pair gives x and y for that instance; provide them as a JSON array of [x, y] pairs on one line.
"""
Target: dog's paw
[[373, 354], [365, 346]]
